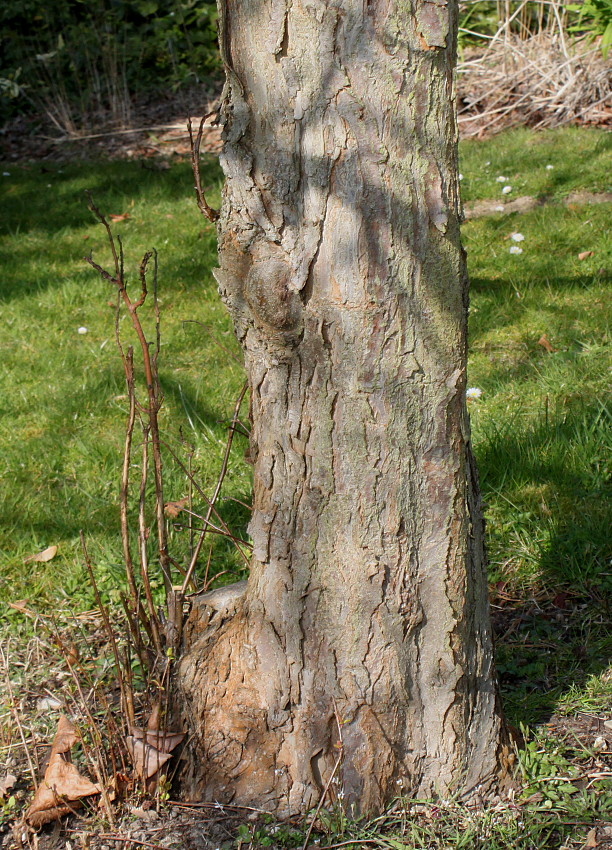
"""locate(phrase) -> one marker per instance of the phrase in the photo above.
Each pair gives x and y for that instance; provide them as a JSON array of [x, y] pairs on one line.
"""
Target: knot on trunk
[[270, 296]]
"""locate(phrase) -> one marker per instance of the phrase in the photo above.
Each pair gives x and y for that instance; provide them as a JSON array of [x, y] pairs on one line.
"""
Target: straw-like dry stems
[[531, 72]]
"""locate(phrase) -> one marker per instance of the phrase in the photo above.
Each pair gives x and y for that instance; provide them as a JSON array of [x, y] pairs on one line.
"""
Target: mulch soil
[[158, 129]]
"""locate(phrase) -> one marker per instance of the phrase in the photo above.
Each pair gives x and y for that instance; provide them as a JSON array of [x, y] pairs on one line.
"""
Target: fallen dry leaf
[[62, 783], [6, 783], [119, 217], [42, 557], [21, 606], [38, 819], [145, 758], [154, 717], [66, 736], [545, 343], [173, 509], [583, 255], [591, 839], [165, 742]]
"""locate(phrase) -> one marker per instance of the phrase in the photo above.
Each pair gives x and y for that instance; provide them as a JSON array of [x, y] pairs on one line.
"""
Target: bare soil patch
[[158, 130], [478, 209]]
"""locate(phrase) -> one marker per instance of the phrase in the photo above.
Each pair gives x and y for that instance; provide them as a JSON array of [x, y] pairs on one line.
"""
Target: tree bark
[[361, 642]]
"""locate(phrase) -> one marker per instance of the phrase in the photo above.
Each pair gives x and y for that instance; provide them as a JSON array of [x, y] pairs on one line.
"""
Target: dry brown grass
[[533, 75]]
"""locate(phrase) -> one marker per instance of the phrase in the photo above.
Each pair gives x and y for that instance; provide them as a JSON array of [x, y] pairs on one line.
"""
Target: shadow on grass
[[551, 472], [53, 200], [34, 211], [500, 307]]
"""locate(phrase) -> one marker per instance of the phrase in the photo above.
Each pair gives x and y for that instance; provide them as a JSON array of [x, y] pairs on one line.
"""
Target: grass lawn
[[539, 353]]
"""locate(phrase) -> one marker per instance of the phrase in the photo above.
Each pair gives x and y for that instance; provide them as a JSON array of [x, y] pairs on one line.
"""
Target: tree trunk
[[361, 643]]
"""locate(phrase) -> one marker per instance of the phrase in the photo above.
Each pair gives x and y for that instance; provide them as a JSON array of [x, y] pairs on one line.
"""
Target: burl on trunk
[[361, 642]]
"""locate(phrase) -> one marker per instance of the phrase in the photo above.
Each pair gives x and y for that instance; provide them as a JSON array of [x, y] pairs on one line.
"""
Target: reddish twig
[[149, 362], [207, 211], [128, 362], [143, 534]]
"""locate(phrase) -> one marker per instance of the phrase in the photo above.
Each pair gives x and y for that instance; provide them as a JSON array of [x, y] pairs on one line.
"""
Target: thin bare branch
[[128, 362], [207, 211], [143, 533], [222, 472], [222, 523], [127, 702]]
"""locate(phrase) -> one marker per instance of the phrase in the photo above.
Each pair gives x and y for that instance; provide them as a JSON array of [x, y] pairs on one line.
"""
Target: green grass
[[541, 428], [62, 394], [580, 161]]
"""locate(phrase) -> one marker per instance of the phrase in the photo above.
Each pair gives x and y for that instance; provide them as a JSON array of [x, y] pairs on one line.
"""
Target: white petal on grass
[[499, 208], [81, 330], [6, 173], [516, 250], [501, 179], [461, 177], [549, 167], [473, 392], [517, 237], [506, 190]]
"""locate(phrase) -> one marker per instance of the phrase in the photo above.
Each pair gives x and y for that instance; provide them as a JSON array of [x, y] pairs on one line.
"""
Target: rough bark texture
[[365, 616]]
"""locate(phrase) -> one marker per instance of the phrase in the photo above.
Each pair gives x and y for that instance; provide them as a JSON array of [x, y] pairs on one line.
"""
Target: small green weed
[[544, 770], [8, 809]]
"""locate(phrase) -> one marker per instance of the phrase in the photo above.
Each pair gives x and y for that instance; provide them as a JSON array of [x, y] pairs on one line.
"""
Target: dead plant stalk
[[154, 396]]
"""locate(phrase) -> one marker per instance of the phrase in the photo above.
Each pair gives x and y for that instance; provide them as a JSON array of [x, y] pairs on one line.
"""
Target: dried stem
[[16, 718], [143, 533], [223, 528], [134, 623], [222, 473], [127, 701], [207, 211], [96, 763], [154, 395], [128, 362], [330, 780], [216, 341]]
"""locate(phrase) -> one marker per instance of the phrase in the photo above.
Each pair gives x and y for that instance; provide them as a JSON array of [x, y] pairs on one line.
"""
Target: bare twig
[[321, 800], [154, 396], [340, 746], [220, 479], [16, 717], [207, 211], [215, 339], [536, 77], [127, 702], [128, 362], [143, 534], [223, 525]]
